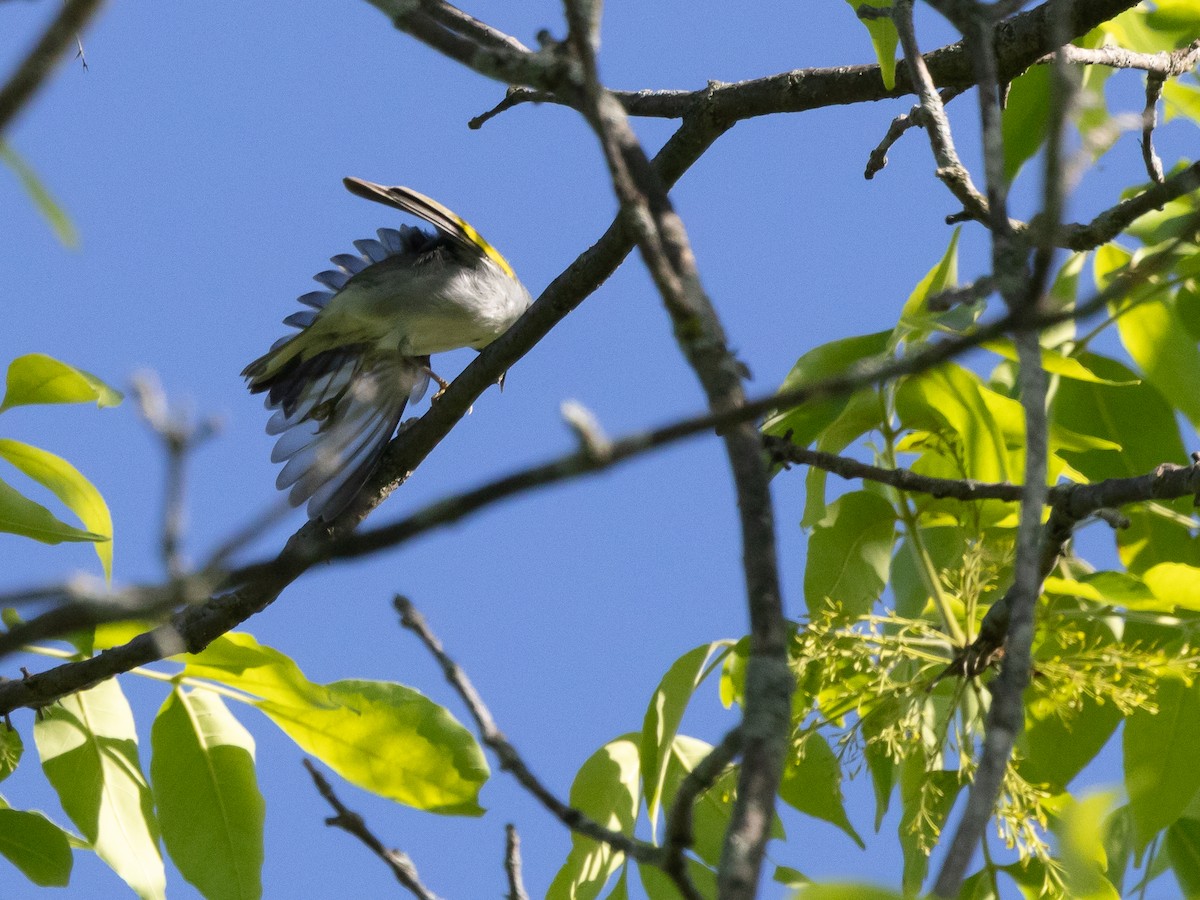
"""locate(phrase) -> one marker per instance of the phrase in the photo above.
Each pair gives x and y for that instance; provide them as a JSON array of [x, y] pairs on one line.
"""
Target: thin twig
[[914, 118], [510, 759], [512, 863], [36, 67], [353, 824], [950, 169], [1154, 88]]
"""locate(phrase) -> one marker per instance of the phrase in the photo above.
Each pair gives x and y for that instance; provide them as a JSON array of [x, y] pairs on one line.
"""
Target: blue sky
[[201, 157]]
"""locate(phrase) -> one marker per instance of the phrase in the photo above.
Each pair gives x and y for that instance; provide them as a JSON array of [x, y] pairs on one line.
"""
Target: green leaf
[[1026, 118], [20, 515], [1080, 834], [11, 748], [70, 486], [45, 204], [659, 886], [1183, 848], [883, 39], [391, 740], [949, 401], [384, 737], [1054, 363], [845, 891], [88, 747], [209, 805], [712, 809], [606, 790], [1181, 99], [917, 320], [1109, 588], [1138, 419], [37, 378], [665, 712], [1161, 346], [808, 420], [1161, 774], [863, 412], [791, 877], [1175, 585], [1058, 742], [812, 783], [36, 846], [849, 554]]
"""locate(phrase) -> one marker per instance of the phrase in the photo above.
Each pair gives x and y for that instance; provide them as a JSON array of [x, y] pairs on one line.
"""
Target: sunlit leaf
[[850, 553], [1138, 419], [949, 401], [917, 320], [20, 515], [88, 747], [36, 846], [659, 886], [11, 748], [1026, 118], [1181, 99], [883, 39], [664, 714], [606, 790], [390, 740], [844, 891], [1054, 363], [1079, 828], [37, 378], [808, 420], [812, 783], [209, 806], [1163, 349], [45, 204], [384, 737], [70, 486], [1161, 774]]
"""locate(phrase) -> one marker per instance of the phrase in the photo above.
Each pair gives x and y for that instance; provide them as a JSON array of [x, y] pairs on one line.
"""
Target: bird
[[339, 386]]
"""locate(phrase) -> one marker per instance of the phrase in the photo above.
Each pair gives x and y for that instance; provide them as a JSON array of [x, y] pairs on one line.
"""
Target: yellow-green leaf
[[70, 486], [381, 736], [51, 211], [606, 790], [36, 846], [20, 515], [88, 747], [37, 378], [208, 800], [1161, 775], [664, 714]]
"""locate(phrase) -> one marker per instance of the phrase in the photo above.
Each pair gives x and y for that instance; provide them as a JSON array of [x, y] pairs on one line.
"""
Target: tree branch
[[353, 824], [510, 759], [36, 67]]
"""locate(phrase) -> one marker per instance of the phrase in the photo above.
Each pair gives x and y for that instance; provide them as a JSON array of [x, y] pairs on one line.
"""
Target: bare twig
[[914, 118], [1154, 88], [353, 824], [512, 863], [510, 759], [36, 67], [180, 436], [950, 169]]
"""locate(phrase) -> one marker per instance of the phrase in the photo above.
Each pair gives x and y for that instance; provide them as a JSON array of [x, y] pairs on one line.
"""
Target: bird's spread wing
[[334, 414]]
